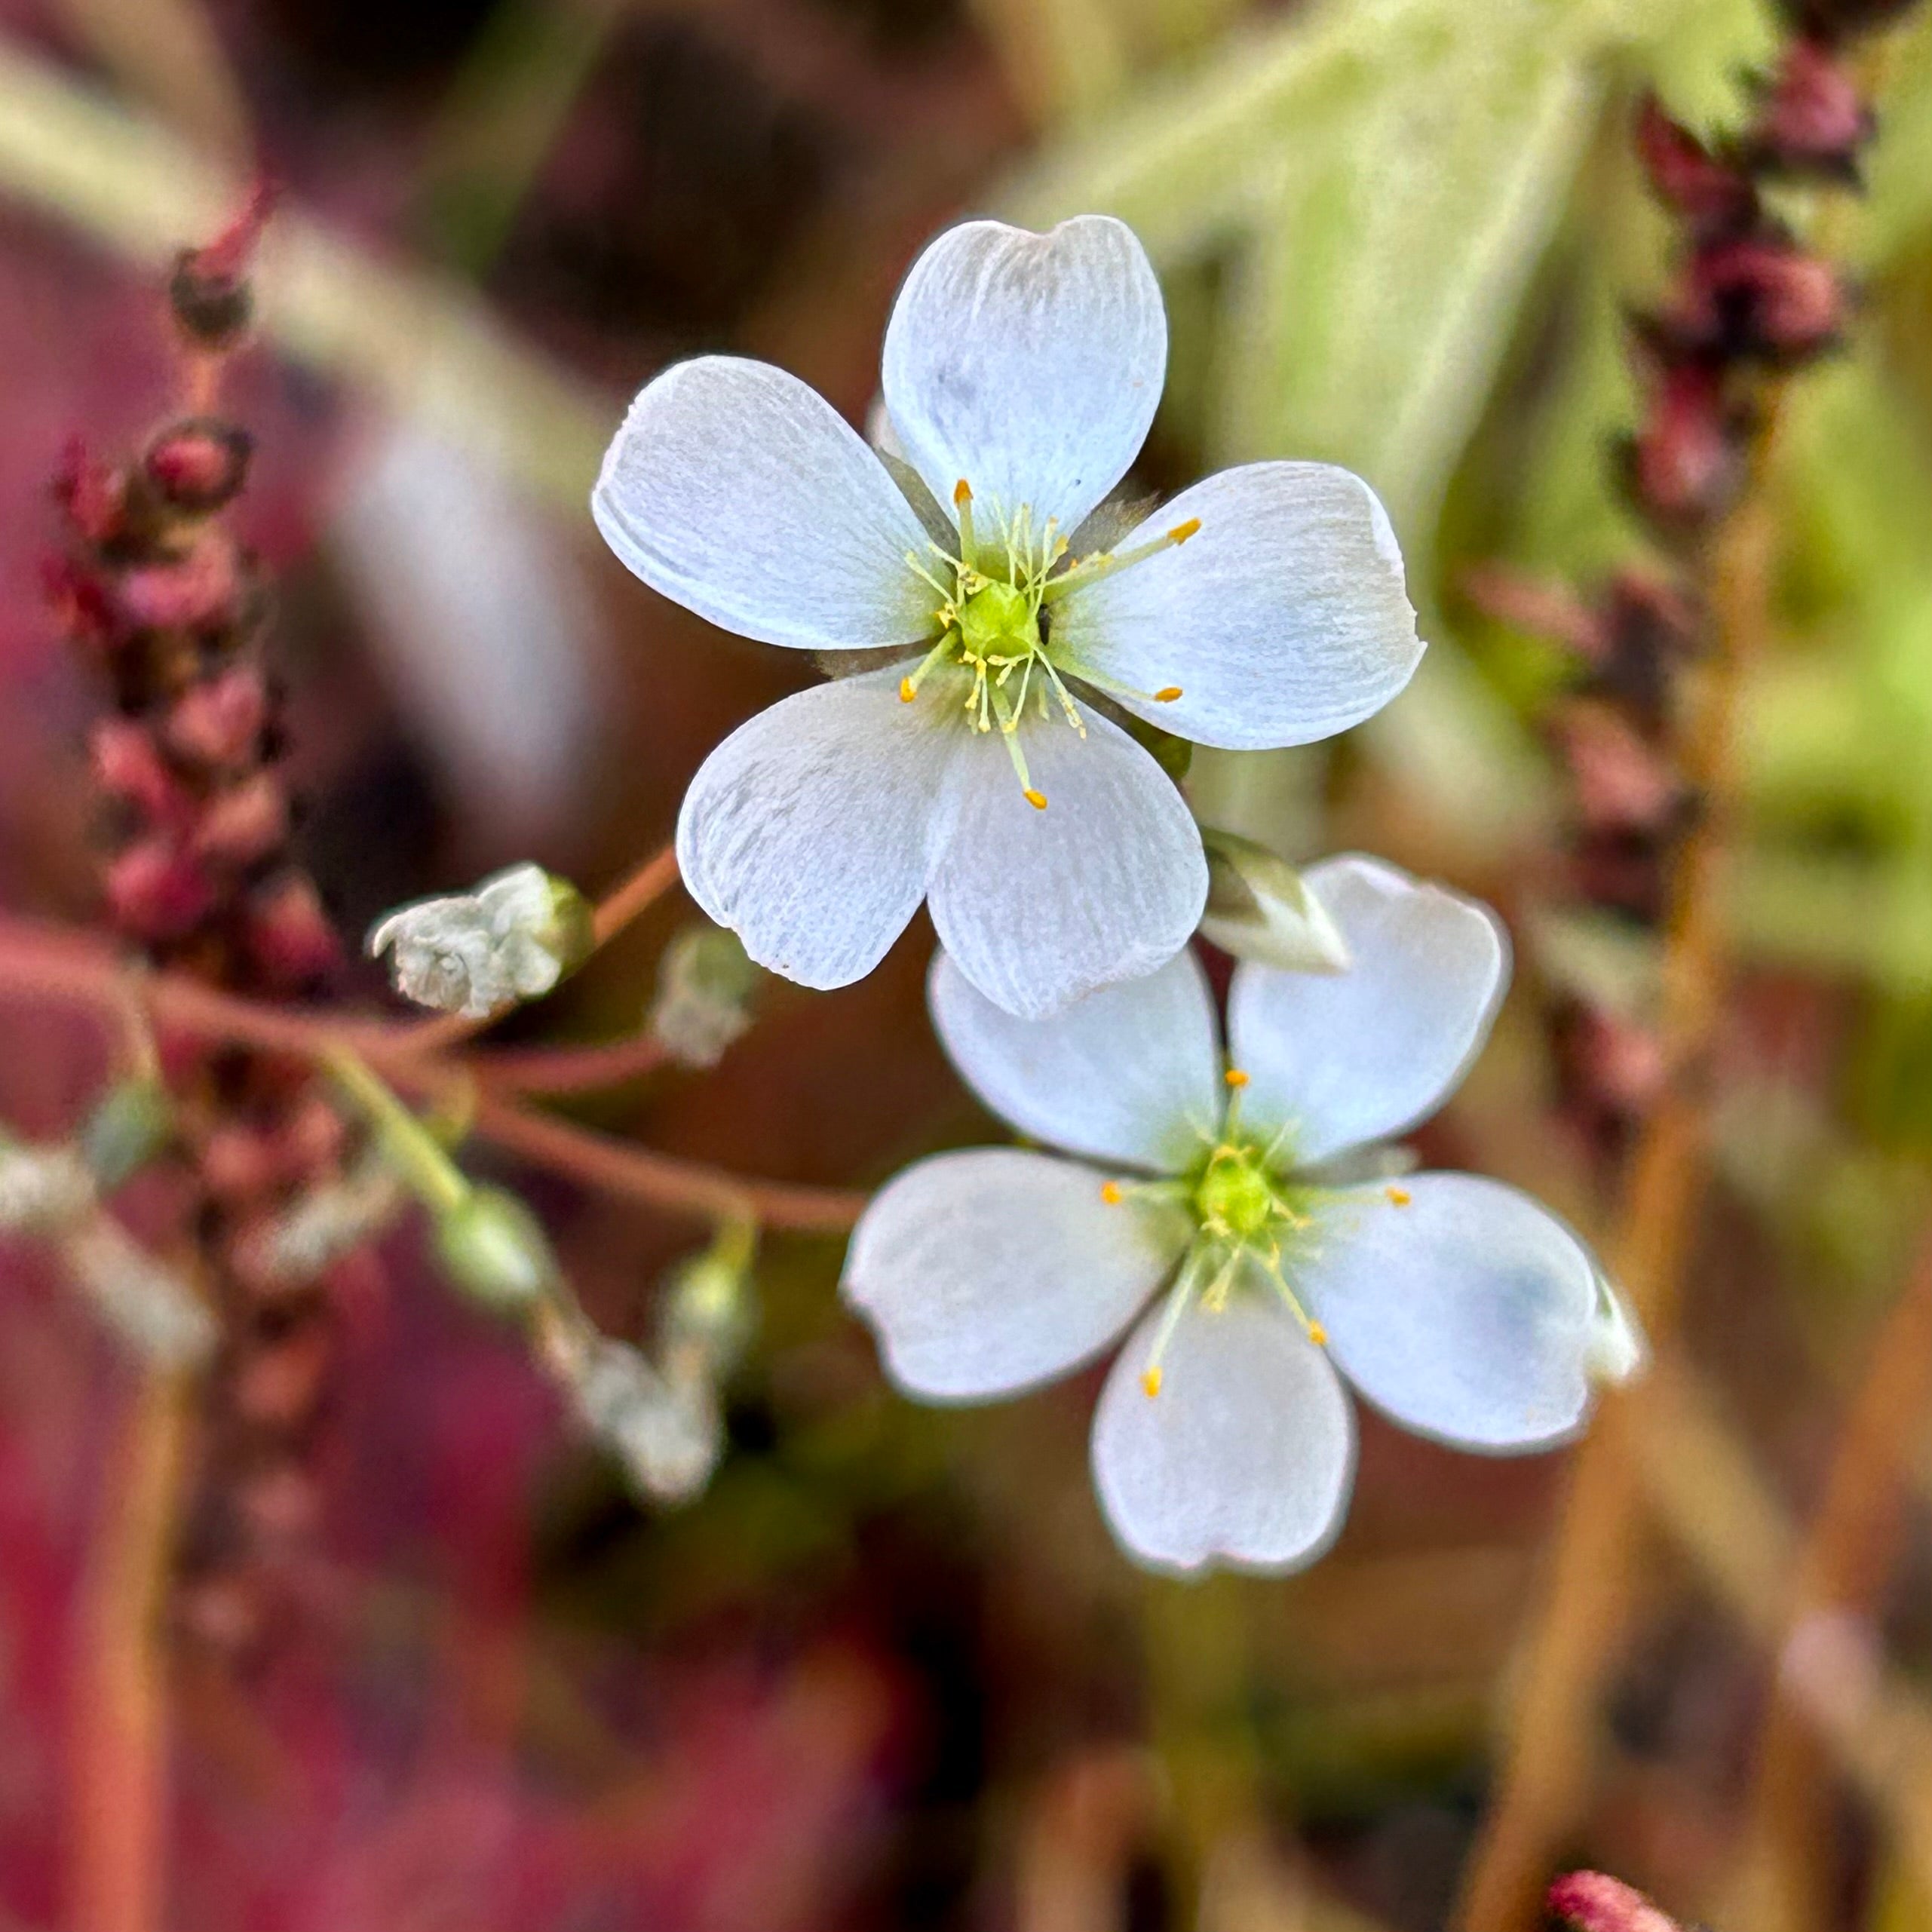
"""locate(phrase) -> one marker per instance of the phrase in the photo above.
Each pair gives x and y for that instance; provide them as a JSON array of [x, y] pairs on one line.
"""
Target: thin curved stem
[[557, 1070], [74, 969]]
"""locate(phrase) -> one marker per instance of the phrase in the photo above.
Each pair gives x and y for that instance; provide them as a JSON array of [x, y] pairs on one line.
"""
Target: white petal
[[805, 831], [1029, 365], [1282, 618], [1040, 907], [1465, 1311], [1130, 1073], [1246, 1456], [993, 1271], [737, 490], [1343, 1058]]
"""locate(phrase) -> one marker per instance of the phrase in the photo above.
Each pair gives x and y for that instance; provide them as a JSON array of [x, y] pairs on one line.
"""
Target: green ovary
[[998, 622]]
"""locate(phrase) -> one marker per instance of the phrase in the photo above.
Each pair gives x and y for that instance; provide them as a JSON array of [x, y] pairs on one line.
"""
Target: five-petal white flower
[[982, 767], [1262, 1197]]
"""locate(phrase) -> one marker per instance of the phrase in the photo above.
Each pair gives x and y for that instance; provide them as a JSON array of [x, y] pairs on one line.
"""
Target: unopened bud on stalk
[[43, 1190], [669, 1437], [706, 981], [707, 1311], [130, 1126], [149, 1306], [474, 953], [333, 1220], [495, 1249], [1259, 908]]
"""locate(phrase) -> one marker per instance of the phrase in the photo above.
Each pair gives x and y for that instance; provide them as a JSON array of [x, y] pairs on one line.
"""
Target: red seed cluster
[[1748, 303], [158, 594]]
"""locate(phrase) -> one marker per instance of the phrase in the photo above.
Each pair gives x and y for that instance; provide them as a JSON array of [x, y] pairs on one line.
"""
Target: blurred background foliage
[[1401, 234]]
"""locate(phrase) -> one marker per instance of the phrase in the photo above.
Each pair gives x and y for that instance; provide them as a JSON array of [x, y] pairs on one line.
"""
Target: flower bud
[[288, 933], [1814, 119], [43, 1189], [148, 1305], [705, 983], [1259, 908], [495, 1249], [1704, 188], [218, 722], [668, 1437], [706, 1311], [474, 953], [1617, 1352], [156, 891], [130, 1127], [199, 465]]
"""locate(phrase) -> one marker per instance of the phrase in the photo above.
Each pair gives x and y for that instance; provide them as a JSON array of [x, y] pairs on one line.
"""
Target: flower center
[[993, 624], [1248, 1215]]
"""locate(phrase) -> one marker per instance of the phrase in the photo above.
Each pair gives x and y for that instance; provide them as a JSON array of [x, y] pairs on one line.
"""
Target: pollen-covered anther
[[1166, 693], [1235, 1077], [1110, 1192], [1398, 1197], [962, 491], [908, 691], [1150, 1383], [1180, 533], [1037, 800], [1317, 1335]]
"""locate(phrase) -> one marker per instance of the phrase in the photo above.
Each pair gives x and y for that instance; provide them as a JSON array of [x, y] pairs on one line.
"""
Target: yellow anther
[[1317, 1335], [908, 691], [1166, 693], [1110, 1192], [962, 491], [1037, 800], [1150, 1382], [1398, 1197], [1234, 1076], [1180, 533]]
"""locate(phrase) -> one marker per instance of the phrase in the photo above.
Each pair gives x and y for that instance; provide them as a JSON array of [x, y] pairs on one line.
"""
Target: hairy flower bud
[[705, 984], [42, 1189], [669, 1437], [474, 953], [130, 1126], [495, 1249], [1259, 908]]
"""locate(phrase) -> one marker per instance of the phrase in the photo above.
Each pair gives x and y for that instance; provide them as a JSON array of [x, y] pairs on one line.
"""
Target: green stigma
[[998, 622], [1238, 1199]]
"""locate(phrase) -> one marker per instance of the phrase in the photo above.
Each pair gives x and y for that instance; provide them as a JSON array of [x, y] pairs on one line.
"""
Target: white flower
[[474, 953], [981, 765], [1259, 1198]]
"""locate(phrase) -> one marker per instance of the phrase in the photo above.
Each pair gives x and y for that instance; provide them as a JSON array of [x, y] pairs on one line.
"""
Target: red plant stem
[[117, 1827], [588, 1069], [71, 968]]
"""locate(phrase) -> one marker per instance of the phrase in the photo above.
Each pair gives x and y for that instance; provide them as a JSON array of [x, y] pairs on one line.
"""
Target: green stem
[[425, 1165]]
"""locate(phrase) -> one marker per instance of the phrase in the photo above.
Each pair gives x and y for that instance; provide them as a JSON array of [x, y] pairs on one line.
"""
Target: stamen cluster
[[993, 621]]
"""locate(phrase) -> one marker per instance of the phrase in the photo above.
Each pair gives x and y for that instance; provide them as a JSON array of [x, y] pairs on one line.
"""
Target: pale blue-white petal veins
[[807, 831], [736, 490], [1039, 908], [1344, 1058], [1131, 1073], [1029, 365], [1460, 1308], [993, 1271], [1244, 1459], [1282, 619]]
